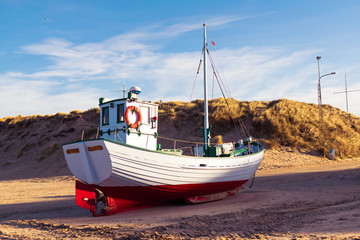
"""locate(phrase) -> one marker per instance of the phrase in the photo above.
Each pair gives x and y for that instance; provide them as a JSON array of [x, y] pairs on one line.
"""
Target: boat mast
[[206, 114]]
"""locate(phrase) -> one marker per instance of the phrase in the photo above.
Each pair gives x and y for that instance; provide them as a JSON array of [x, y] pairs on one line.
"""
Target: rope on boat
[[252, 181], [251, 184]]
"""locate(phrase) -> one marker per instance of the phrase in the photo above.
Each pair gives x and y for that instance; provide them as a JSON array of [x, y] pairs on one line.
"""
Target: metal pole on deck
[[206, 114]]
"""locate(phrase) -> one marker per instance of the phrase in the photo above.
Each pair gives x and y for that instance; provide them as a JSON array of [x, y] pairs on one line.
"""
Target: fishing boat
[[125, 168]]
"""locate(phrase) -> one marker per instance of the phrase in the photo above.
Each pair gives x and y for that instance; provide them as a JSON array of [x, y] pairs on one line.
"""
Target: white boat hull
[[123, 165], [137, 175]]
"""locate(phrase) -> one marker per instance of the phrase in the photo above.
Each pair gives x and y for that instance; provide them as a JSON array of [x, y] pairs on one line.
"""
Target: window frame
[[103, 117], [118, 107]]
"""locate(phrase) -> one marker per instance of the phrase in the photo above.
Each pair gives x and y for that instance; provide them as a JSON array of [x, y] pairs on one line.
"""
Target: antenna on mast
[[124, 91]]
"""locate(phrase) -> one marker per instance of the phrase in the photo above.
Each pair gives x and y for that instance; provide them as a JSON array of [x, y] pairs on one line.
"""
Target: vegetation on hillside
[[39, 137], [275, 123]]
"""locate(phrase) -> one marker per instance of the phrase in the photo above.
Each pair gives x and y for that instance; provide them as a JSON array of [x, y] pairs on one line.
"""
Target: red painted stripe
[[128, 198]]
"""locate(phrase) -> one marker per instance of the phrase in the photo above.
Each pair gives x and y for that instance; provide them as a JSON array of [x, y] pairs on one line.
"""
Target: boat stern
[[89, 161]]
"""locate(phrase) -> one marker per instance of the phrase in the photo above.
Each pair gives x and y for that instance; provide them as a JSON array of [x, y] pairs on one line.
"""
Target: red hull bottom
[[110, 200]]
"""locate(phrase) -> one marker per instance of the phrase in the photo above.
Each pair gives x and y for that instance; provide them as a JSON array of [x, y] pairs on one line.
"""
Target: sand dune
[[315, 199], [297, 194]]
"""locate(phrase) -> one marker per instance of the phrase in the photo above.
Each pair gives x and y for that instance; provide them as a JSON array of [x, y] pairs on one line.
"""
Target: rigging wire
[[222, 71], [196, 75], [212, 94], [224, 91], [221, 83], [192, 91]]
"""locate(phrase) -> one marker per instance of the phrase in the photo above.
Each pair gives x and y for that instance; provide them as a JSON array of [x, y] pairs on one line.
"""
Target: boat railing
[[192, 147], [176, 144], [188, 147]]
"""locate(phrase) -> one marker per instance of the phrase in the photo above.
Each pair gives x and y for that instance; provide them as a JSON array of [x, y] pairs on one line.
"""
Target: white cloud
[[78, 74], [29, 97]]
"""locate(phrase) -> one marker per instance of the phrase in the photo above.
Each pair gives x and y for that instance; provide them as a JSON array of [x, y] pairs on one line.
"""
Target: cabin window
[[120, 113], [105, 116], [145, 113]]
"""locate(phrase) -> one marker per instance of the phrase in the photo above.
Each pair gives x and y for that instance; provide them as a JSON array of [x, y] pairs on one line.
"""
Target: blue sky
[[58, 56]]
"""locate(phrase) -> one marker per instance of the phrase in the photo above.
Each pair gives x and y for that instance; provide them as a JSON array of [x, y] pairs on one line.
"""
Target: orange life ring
[[132, 109]]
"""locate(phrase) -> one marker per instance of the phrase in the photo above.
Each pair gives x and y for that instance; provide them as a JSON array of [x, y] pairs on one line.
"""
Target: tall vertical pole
[[321, 134], [346, 93], [206, 114], [319, 85]]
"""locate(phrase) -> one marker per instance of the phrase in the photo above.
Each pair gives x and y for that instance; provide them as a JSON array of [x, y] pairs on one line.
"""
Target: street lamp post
[[320, 103], [319, 86]]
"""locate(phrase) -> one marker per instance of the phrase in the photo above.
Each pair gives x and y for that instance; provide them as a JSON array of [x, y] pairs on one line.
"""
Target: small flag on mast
[[213, 43]]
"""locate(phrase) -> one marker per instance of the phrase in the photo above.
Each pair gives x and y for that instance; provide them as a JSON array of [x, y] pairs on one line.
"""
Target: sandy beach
[[315, 198]]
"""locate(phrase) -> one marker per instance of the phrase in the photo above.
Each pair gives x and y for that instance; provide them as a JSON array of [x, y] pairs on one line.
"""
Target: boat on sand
[[125, 168]]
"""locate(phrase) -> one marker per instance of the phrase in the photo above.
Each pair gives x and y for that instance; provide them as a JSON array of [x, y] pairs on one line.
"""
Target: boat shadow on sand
[[269, 193]]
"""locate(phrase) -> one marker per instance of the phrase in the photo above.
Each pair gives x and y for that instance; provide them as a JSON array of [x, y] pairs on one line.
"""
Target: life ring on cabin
[[138, 113]]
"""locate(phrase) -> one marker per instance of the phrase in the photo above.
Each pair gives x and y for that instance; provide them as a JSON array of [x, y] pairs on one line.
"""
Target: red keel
[[120, 199]]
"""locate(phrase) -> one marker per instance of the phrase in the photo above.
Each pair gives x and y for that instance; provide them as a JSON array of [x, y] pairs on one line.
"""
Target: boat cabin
[[129, 120]]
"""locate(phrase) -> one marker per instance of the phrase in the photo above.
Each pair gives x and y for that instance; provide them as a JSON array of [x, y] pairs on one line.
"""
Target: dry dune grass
[[296, 124], [277, 123], [296, 195], [25, 141]]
